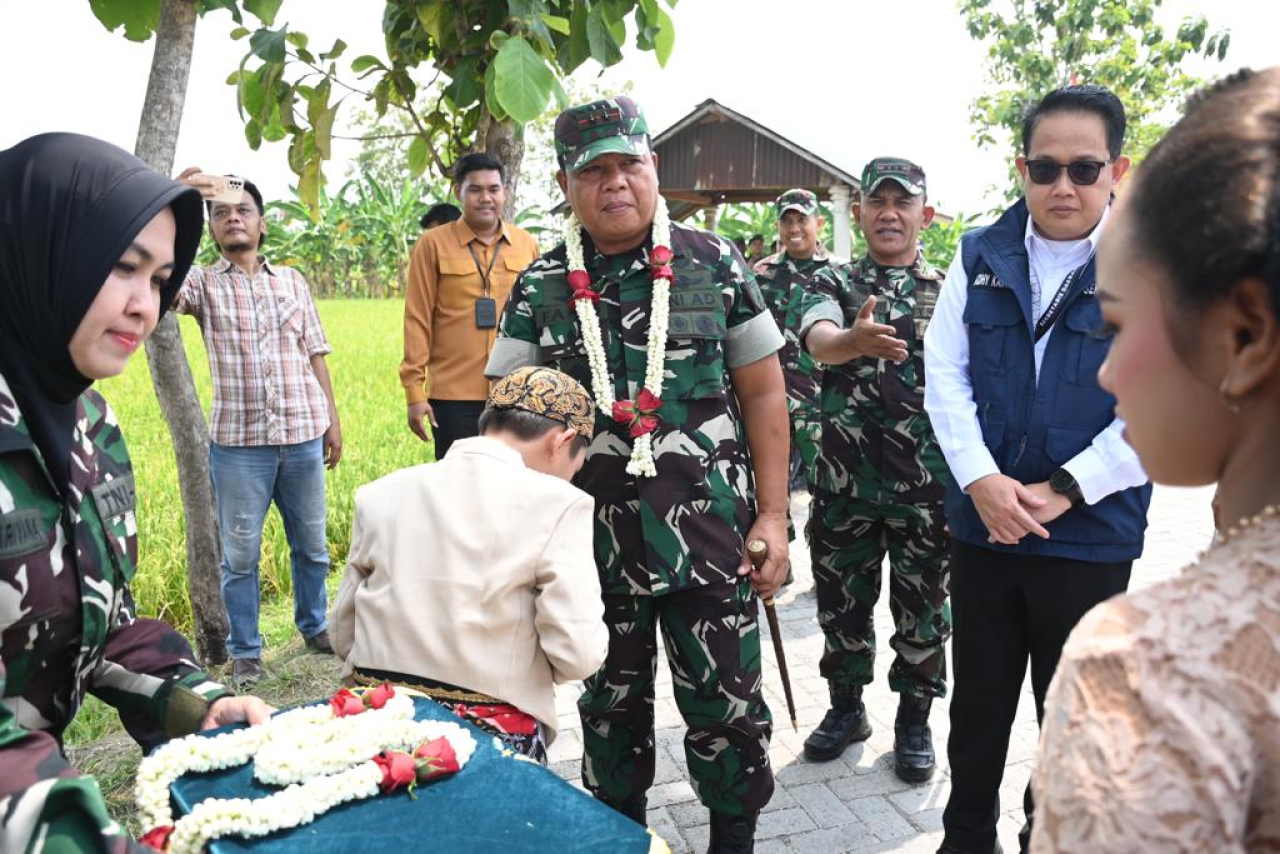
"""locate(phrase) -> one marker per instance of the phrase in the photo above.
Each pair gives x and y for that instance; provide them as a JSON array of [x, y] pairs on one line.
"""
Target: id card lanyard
[[485, 274], [1045, 322]]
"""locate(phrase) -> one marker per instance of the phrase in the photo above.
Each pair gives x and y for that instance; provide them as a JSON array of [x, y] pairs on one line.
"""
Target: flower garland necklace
[[642, 413], [363, 739]]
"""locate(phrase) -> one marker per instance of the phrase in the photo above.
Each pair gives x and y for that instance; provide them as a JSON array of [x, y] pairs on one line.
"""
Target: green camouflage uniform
[[68, 626], [667, 547], [782, 280], [881, 481]]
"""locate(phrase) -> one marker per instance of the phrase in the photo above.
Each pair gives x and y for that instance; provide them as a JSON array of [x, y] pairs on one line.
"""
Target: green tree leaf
[[555, 22], [364, 63], [239, 33], [522, 80], [467, 86], [334, 52], [418, 152], [264, 10], [269, 45], [665, 40], [605, 49], [139, 18]]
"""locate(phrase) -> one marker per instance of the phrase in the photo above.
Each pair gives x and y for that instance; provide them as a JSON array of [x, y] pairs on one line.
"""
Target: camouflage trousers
[[848, 539], [806, 440], [713, 645]]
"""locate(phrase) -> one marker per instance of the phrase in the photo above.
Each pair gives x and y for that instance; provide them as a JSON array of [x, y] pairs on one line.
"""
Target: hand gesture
[[875, 340]]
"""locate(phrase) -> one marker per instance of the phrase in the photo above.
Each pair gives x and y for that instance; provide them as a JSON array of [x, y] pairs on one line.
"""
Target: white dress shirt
[[1108, 465]]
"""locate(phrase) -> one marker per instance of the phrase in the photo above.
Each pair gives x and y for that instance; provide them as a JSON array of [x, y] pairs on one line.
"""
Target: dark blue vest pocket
[[1087, 346], [995, 325]]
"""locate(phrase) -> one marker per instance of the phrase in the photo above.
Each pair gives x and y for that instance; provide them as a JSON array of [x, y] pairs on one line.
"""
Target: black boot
[[732, 834], [636, 809], [844, 723], [912, 740]]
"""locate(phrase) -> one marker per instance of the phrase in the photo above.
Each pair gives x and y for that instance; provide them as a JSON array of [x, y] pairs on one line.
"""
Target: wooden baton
[[757, 552]]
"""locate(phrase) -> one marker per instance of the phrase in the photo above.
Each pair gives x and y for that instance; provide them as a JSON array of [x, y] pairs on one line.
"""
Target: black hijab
[[70, 205]]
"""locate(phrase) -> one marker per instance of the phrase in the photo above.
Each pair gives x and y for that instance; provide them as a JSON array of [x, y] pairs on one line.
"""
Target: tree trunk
[[170, 374]]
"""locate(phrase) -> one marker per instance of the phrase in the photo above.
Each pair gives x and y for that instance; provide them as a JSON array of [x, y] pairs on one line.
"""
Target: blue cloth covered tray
[[495, 803]]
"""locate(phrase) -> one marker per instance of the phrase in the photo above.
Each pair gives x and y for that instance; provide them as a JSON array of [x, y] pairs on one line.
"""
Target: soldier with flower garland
[[666, 325]]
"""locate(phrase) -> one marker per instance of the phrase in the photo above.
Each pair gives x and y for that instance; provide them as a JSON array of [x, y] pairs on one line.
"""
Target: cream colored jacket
[[476, 571]]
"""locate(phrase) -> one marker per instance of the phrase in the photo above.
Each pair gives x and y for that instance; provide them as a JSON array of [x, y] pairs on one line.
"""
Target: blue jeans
[[245, 482]]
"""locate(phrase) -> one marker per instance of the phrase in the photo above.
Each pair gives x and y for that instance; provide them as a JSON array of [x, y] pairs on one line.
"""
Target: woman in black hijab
[[93, 247]]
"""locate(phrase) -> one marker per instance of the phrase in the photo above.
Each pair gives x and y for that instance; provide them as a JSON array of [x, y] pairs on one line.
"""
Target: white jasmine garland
[[642, 462], [327, 760]]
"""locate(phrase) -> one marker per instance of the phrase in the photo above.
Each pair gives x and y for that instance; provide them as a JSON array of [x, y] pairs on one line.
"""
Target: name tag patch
[[21, 533], [550, 315], [114, 497], [988, 280]]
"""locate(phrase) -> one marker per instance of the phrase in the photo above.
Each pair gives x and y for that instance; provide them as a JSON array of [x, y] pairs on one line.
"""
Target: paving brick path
[[857, 803]]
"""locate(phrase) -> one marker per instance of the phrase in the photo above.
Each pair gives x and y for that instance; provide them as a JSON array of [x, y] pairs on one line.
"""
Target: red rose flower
[[643, 424], [435, 759], [660, 255], [624, 410], [378, 697], [345, 703], [579, 280], [638, 414], [398, 770], [158, 837], [662, 272]]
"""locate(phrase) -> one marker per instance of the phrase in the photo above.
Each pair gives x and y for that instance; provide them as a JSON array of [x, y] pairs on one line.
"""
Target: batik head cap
[[612, 126], [797, 200], [907, 174], [546, 392]]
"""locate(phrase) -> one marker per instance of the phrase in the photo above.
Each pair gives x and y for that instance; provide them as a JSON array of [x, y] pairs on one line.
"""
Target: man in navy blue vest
[[1048, 505]]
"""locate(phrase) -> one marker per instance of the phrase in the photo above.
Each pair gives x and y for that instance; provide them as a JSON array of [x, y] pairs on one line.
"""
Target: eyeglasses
[[245, 211], [1081, 172]]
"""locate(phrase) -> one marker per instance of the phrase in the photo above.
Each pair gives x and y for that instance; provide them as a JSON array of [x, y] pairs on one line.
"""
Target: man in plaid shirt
[[274, 424]]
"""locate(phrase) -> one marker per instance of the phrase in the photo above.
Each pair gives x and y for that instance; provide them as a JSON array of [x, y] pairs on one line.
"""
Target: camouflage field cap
[[797, 200], [615, 125], [546, 392], [882, 169]]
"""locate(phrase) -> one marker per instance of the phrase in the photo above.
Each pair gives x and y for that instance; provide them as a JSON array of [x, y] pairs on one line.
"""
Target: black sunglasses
[[1081, 172]]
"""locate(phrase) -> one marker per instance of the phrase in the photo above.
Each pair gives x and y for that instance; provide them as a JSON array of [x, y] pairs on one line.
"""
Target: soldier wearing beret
[[667, 327]]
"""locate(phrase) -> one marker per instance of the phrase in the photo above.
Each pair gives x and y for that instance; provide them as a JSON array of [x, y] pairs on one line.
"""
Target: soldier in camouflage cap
[[669, 547], [881, 478], [86, 233], [782, 277]]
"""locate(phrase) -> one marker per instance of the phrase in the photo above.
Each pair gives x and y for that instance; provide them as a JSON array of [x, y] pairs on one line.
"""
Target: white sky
[[847, 79]]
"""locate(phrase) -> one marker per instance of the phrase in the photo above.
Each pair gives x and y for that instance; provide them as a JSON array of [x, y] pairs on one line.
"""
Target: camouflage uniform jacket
[[877, 442], [68, 626], [684, 527], [782, 281]]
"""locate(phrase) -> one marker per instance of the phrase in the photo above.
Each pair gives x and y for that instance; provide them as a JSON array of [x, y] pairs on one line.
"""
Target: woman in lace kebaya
[[1162, 727]]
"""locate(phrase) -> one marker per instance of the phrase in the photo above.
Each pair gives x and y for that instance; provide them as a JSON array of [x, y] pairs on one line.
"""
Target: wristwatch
[[1063, 483]]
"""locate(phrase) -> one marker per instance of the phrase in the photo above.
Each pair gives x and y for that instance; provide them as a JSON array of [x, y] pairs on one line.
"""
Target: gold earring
[[1227, 400]]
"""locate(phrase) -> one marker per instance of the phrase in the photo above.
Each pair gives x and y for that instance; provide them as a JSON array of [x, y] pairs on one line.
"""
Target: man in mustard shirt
[[459, 278]]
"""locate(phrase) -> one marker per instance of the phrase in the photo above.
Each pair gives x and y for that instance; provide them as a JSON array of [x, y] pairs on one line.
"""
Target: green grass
[[366, 341]]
